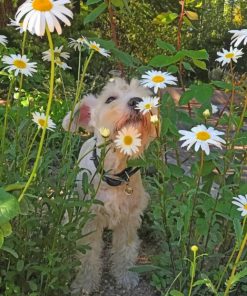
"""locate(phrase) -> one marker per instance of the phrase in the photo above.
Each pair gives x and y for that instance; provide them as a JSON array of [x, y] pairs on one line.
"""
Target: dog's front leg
[[125, 247], [89, 273]]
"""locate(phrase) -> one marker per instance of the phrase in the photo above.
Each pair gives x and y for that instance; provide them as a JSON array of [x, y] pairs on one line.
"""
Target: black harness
[[116, 179]]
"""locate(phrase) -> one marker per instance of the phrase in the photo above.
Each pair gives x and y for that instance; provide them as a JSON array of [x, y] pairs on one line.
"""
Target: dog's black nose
[[133, 102]]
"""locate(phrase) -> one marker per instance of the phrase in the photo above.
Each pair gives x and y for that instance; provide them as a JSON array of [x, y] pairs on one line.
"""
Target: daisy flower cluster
[[59, 55], [232, 55]]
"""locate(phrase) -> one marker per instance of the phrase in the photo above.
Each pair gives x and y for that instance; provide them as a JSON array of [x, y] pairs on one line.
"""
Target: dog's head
[[114, 108]]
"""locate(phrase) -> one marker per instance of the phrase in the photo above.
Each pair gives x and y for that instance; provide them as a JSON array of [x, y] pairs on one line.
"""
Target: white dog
[[121, 190]]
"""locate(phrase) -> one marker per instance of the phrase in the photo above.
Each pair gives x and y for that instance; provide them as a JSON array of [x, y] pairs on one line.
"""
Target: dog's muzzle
[[133, 103]]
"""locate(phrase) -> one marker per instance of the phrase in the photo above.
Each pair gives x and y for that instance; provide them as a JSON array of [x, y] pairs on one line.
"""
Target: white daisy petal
[[241, 202], [3, 40]]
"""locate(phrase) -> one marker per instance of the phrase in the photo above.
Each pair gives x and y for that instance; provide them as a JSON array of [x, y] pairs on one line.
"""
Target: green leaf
[[124, 57], [165, 45], [118, 3], [188, 67], [20, 265], [90, 2], [10, 251], [95, 13], [6, 229], [172, 69], [15, 186], [1, 238], [196, 54], [222, 84], [241, 139], [238, 276], [186, 97], [200, 64], [175, 170], [9, 206], [176, 293], [202, 93], [161, 61]]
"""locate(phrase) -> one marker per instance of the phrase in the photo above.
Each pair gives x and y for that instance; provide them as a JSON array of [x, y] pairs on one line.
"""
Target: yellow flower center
[[245, 207], [148, 106], [95, 47], [203, 136], [42, 122], [158, 79], [42, 5], [20, 64], [229, 55], [128, 140]]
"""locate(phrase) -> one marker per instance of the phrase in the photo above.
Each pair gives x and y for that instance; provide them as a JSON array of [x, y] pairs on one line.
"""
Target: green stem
[[195, 196], [193, 272], [28, 152], [35, 167], [23, 42], [243, 244], [6, 115]]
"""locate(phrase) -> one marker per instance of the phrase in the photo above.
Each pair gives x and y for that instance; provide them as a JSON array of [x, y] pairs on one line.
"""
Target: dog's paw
[[128, 280]]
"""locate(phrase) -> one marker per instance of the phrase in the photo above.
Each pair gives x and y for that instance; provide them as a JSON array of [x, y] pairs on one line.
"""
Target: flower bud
[[194, 248], [105, 132], [154, 119], [206, 113]]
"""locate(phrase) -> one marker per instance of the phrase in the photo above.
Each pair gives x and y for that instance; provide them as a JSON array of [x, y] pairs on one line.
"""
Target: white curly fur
[[120, 212]]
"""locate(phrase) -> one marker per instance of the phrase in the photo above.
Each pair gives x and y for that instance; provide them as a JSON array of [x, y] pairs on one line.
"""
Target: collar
[[116, 179]]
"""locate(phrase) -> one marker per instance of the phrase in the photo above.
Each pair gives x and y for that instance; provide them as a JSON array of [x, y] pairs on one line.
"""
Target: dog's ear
[[81, 116]]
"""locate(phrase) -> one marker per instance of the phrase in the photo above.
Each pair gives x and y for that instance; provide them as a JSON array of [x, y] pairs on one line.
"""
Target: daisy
[[95, 46], [40, 120], [226, 56], [147, 104], [14, 23], [128, 140], [37, 14], [3, 40], [19, 64], [241, 201], [157, 79], [202, 137], [57, 53], [62, 65], [78, 43], [238, 37]]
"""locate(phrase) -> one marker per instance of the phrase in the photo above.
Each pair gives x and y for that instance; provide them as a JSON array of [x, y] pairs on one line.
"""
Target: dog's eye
[[110, 99]]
